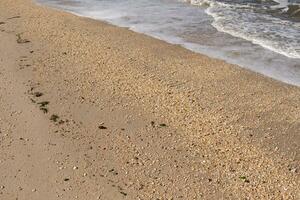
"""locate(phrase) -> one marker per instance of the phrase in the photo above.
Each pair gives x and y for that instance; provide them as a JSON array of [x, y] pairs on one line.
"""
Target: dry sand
[[93, 111]]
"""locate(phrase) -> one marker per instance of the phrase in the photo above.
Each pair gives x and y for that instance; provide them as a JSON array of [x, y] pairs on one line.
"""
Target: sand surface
[[93, 111]]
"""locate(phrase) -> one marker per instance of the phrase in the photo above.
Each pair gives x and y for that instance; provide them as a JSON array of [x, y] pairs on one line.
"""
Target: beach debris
[[54, 118], [20, 40], [38, 94], [293, 169], [102, 127], [123, 193], [152, 123], [162, 125], [113, 171], [43, 103], [14, 17], [45, 110], [66, 179], [75, 167], [33, 190], [244, 178]]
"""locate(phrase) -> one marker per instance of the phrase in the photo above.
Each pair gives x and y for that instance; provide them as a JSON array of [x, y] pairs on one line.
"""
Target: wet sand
[[93, 111]]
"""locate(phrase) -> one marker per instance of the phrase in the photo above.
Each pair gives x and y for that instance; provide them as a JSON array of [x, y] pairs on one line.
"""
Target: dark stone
[[152, 123], [38, 94], [43, 103], [102, 127], [45, 110], [162, 125], [125, 194], [54, 118]]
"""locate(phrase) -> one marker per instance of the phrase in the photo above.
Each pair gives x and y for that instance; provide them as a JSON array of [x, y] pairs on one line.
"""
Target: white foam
[[257, 29], [190, 27]]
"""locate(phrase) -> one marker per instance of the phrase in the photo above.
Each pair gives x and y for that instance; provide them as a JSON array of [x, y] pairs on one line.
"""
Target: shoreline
[[287, 74], [139, 117]]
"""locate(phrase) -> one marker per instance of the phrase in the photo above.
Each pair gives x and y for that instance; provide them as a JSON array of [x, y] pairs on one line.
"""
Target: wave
[[193, 28], [256, 25]]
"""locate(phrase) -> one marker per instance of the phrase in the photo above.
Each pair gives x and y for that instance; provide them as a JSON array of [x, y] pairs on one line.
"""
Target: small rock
[[43, 103], [38, 94], [45, 110], [152, 123], [102, 127], [244, 178], [162, 125], [54, 118], [293, 170], [125, 194]]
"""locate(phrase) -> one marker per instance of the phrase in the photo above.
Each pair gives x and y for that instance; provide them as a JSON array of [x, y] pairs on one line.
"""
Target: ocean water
[[261, 35]]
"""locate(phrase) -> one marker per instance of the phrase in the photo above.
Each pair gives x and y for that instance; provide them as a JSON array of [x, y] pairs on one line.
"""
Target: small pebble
[[102, 127]]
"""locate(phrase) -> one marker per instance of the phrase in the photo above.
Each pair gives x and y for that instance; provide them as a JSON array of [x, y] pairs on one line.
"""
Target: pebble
[[294, 170]]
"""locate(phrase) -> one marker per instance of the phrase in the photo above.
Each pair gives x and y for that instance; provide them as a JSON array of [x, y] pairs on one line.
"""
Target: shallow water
[[263, 36]]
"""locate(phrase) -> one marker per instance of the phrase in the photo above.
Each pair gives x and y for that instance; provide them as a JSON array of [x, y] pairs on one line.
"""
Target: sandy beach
[[93, 111]]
